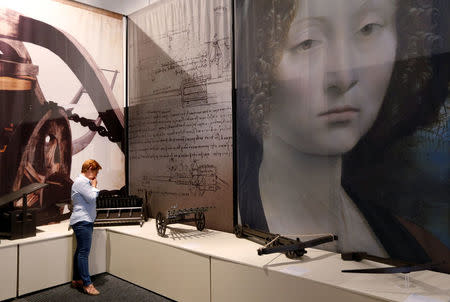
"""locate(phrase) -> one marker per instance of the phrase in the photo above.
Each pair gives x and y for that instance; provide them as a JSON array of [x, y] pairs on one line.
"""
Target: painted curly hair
[[408, 100]]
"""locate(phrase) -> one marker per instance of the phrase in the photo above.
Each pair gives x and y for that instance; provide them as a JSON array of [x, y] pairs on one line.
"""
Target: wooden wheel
[[238, 231], [47, 157], [160, 224], [295, 254], [200, 220]]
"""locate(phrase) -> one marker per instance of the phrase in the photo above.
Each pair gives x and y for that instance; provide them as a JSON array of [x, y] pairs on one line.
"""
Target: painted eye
[[305, 45], [369, 29]]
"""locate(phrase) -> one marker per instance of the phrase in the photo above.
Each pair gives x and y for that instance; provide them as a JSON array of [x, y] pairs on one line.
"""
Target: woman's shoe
[[91, 290], [76, 284]]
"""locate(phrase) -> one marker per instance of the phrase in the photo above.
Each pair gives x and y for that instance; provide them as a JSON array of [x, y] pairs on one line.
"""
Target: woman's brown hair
[[90, 164]]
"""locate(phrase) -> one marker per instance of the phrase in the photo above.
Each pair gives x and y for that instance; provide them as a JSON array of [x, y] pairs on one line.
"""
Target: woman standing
[[84, 195]]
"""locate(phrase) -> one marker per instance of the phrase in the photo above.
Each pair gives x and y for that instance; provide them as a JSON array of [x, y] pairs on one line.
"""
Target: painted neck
[[299, 192], [298, 170]]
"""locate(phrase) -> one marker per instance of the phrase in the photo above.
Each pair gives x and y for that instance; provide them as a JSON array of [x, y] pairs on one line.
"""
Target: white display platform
[[172, 272], [189, 265], [237, 282], [45, 260], [275, 277], [44, 264], [8, 275]]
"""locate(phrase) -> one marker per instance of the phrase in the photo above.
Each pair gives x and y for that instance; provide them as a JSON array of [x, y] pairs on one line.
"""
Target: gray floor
[[111, 289]]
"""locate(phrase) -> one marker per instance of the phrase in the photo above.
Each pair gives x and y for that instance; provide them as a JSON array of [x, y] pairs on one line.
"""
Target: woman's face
[[333, 74], [91, 174]]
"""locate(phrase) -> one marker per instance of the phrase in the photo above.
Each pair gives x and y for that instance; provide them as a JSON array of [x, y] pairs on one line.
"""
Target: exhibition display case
[[248, 148]]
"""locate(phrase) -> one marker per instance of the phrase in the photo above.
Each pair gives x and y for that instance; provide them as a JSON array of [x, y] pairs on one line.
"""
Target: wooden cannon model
[[274, 243], [197, 215]]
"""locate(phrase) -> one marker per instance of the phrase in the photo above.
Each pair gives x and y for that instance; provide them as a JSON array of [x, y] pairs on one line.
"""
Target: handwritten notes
[[180, 113], [194, 133]]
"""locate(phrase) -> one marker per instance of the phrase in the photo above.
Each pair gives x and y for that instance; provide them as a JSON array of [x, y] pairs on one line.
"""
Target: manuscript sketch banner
[[180, 116]]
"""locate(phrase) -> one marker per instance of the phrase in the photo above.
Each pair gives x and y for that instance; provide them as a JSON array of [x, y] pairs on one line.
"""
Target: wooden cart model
[[197, 215]]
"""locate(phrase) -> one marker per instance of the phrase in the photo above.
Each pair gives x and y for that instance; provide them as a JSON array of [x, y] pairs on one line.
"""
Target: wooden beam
[[8, 83], [25, 29], [91, 8]]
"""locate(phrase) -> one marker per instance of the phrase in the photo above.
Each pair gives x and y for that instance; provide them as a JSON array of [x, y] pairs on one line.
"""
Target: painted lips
[[340, 114]]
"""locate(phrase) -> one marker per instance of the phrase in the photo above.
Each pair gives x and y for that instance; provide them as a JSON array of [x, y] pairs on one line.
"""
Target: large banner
[[343, 124], [61, 100], [180, 130]]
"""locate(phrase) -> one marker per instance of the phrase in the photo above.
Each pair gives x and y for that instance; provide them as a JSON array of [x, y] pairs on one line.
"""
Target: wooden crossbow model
[[398, 266], [274, 243]]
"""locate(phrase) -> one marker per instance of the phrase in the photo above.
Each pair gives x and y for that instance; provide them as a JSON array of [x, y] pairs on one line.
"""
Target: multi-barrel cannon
[[116, 208]]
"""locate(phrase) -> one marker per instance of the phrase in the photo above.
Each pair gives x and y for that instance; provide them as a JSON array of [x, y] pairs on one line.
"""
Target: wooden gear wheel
[[47, 158], [40, 147], [238, 231]]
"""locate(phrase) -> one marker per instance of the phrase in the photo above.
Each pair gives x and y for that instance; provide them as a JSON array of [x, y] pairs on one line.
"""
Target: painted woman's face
[[333, 74]]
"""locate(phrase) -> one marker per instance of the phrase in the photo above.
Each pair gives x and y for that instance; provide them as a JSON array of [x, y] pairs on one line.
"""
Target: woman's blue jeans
[[83, 232]]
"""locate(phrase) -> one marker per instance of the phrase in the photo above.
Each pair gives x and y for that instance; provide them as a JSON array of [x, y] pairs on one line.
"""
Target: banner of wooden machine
[[61, 100]]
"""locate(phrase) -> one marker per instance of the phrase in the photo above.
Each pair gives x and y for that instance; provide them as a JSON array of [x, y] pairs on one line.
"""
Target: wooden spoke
[[32, 174]]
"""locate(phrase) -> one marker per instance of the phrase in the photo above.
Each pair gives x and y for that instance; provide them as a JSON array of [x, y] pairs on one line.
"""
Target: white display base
[[189, 265], [44, 264], [8, 272], [45, 260], [171, 272], [97, 256], [238, 282], [275, 277]]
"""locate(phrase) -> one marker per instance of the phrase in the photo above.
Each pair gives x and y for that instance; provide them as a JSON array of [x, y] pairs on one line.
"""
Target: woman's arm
[[88, 191]]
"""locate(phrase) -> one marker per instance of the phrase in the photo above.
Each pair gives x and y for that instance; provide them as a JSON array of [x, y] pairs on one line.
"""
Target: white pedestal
[[97, 256], [44, 264], [166, 270], [237, 282], [189, 265], [47, 260], [8, 274]]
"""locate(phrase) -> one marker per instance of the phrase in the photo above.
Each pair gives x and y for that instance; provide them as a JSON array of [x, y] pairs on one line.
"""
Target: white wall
[[124, 7]]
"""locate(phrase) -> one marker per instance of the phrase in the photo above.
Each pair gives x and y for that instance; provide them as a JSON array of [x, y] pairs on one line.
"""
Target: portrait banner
[[343, 125]]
